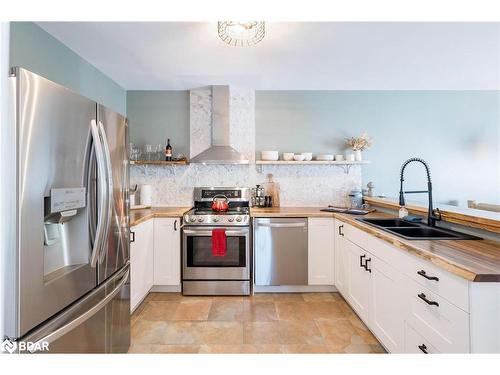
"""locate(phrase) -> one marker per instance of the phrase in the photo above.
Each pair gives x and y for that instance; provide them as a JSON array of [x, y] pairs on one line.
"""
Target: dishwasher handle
[[282, 225]]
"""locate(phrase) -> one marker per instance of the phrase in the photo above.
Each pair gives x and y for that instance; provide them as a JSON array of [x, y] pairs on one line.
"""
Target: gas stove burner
[[237, 215]]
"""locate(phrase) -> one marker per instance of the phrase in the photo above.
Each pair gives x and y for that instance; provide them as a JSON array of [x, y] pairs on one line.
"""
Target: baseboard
[[295, 289], [166, 289]]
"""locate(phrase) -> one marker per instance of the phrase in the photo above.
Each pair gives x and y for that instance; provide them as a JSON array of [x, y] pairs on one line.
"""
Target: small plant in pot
[[358, 144]]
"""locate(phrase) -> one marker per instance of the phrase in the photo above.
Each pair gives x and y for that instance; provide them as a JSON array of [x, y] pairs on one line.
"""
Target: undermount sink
[[390, 223], [414, 231]]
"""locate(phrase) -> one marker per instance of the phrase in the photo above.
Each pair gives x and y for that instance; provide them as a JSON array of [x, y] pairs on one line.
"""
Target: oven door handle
[[209, 233]]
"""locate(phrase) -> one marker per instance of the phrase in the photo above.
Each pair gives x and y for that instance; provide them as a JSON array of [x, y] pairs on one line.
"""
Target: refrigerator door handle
[[82, 318], [109, 197], [102, 193]]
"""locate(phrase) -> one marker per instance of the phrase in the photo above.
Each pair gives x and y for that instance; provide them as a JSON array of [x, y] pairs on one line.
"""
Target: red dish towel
[[219, 242]]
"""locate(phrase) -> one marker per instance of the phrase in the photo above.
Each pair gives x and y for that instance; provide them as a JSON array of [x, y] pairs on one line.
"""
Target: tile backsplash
[[318, 185]]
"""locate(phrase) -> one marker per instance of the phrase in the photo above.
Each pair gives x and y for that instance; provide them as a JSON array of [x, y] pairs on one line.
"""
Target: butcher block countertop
[[140, 216], [472, 260]]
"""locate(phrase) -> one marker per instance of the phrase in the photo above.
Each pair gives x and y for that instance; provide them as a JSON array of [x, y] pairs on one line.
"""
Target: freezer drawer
[[280, 248], [99, 323]]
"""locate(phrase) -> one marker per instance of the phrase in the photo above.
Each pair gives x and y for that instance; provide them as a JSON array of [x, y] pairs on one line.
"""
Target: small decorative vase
[[358, 156]]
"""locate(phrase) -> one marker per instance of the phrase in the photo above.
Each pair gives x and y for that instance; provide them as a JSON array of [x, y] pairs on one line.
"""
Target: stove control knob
[[216, 219], [231, 219], [238, 219], [192, 219], [200, 219]]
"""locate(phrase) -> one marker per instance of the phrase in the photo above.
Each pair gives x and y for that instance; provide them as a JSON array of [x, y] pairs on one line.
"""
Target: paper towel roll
[[145, 195]]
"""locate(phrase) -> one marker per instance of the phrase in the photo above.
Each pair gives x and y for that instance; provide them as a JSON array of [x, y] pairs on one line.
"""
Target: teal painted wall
[[457, 132], [34, 49], [155, 116]]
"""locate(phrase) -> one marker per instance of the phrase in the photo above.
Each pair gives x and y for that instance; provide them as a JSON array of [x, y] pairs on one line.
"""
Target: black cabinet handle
[[423, 348], [366, 265], [361, 261], [423, 274], [340, 230], [132, 236], [429, 302], [175, 225]]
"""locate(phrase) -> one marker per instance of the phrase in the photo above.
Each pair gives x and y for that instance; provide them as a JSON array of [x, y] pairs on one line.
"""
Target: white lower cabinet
[[358, 291], [386, 305], [341, 260], [321, 254], [411, 305], [141, 262], [167, 253]]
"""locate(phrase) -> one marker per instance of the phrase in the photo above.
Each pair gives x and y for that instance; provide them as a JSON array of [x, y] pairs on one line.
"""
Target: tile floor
[[264, 323]]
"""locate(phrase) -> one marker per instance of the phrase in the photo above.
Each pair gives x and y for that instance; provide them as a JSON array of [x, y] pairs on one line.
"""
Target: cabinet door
[[167, 252], [359, 280], [341, 260], [321, 256], [141, 263], [387, 309]]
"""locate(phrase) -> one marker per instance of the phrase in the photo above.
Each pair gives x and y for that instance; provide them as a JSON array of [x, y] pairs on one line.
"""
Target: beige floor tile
[[336, 332], [259, 311], [182, 333], [358, 348], [299, 332], [226, 311], [159, 310], [170, 349], [245, 348], [321, 297], [229, 298], [261, 333], [138, 312], [148, 332], [193, 310], [306, 349], [288, 297], [293, 311], [227, 333], [164, 297], [262, 297], [325, 310]]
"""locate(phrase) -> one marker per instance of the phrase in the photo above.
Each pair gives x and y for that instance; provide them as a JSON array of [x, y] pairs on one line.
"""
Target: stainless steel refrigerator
[[69, 257]]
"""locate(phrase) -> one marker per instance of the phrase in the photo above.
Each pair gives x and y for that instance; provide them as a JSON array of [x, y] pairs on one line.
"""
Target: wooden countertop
[[477, 261], [289, 212], [139, 216]]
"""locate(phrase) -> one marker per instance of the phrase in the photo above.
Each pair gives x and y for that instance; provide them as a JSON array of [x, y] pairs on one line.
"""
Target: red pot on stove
[[220, 203]]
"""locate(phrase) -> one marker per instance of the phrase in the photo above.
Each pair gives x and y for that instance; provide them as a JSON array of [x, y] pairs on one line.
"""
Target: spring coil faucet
[[431, 217]]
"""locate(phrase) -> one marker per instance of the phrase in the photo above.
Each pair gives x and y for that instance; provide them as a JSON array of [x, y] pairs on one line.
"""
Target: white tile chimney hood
[[220, 150]]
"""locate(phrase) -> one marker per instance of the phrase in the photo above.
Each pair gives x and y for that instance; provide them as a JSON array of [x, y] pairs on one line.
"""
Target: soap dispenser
[[403, 212]]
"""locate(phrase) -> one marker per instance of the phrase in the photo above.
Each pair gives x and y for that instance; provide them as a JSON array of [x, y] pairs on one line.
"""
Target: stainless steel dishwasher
[[280, 251]]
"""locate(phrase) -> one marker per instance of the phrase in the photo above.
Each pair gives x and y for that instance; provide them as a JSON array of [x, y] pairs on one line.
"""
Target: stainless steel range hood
[[220, 151]]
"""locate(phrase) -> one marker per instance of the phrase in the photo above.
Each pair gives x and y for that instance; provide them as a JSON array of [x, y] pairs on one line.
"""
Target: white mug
[[339, 157], [350, 157], [288, 156]]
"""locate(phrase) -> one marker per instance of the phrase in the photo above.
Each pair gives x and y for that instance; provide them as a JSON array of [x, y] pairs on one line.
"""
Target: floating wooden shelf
[[158, 162], [311, 162]]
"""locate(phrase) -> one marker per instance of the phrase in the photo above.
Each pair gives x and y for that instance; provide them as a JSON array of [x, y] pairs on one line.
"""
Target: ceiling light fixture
[[240, 34]]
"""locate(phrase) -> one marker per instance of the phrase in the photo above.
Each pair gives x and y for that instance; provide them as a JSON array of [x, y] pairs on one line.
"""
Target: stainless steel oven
[[204, 273]]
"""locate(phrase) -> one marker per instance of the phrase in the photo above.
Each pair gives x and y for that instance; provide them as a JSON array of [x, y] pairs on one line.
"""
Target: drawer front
[[415, 343], [448, 286], [443, 324]]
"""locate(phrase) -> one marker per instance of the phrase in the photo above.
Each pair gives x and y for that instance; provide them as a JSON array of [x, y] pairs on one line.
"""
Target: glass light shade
[[241, 34]]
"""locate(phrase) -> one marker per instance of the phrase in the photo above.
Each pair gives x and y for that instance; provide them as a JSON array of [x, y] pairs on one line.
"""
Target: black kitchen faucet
[[431, 217]]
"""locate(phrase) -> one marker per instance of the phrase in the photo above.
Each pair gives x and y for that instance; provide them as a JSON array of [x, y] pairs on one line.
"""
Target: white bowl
[[269, 155], [288, 156], [298, 157], [326, 157], [307, 156]]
